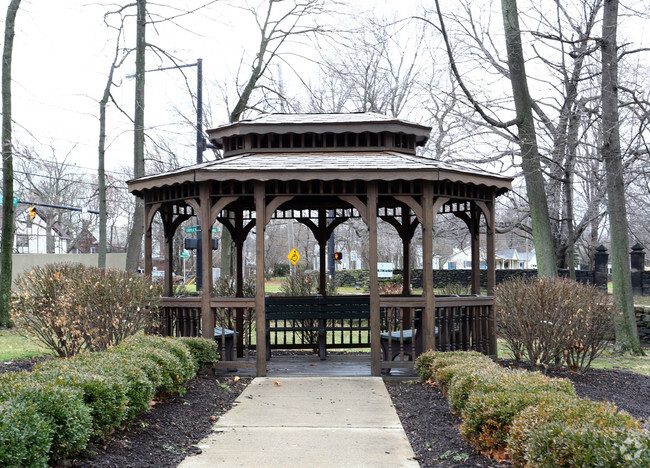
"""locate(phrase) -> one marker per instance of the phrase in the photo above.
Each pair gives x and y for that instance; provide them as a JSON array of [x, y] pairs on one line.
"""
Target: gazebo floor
[[309, 365]]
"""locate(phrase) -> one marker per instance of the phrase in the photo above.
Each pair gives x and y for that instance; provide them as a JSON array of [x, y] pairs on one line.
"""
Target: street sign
[[293, 256], [185, 255], [190, 230], [384, 270], [15, 200]]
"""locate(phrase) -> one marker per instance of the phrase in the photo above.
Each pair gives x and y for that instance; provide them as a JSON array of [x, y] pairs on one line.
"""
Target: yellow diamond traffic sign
[[293, 256]]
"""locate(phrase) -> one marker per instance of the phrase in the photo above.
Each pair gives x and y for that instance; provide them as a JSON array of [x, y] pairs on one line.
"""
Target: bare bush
[[551, 320], [71, 307]]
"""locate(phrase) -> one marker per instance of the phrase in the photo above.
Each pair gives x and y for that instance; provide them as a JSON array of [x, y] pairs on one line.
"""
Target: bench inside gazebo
[[322, 170]]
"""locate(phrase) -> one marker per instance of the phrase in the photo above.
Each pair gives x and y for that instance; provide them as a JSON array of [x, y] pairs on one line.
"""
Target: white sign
[[384, 270]]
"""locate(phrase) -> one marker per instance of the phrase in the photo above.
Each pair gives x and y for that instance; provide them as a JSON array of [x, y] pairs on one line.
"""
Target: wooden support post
[[239, 237], [429, 316], [375, 318], [207, 318], [491, 254], [406, 250], [148, 264], [475, 222], [169, 263], [260, 315], [322, 250], [491, 279]]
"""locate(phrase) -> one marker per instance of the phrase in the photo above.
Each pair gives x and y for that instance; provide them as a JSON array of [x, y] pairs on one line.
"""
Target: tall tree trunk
[[7, 168], [627, 336], [134, 249], [531, 165], [101, 153], [101, 174]]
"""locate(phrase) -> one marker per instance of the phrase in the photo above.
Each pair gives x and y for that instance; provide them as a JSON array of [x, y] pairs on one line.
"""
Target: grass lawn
[[607, 360], [642, 300], [14, 346]]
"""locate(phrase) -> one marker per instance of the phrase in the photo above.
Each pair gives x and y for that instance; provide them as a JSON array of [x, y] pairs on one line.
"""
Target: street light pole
[[200, 148], [200, 141]]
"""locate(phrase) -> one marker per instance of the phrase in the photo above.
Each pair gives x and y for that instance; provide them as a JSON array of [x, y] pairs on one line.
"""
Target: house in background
[[506, 259], [86, 241], [31, 236]]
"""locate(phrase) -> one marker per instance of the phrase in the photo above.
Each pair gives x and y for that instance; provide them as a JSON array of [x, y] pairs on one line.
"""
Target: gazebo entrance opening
[[321, 170]]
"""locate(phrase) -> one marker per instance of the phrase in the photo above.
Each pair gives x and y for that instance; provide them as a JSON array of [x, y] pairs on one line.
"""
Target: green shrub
[[174, 358], [137, 386], [169, 364], [25, 435], [152, 369], [463, 383], [423, 365], [105, 395], [578, 432], [551, 320], [188, 367], [63, 408], [203, 351], [428, 363], [459, 357], [487, 417], [71, 307]]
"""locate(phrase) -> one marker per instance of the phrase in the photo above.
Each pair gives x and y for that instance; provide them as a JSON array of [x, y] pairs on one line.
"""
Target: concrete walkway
[[308, 422]]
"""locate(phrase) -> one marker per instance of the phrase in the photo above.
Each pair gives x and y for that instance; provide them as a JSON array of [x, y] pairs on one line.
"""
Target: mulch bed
[[433, 430], [168, 433]]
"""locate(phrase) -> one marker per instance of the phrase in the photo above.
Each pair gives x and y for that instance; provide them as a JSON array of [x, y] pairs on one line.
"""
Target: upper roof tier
[[363, 131]]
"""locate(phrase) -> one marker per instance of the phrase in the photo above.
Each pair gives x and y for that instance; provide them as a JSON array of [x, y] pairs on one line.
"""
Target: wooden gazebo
[[308, 167]]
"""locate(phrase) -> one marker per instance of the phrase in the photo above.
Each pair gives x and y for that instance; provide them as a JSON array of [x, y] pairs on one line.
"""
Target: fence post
[[601, 259], [637, 262]]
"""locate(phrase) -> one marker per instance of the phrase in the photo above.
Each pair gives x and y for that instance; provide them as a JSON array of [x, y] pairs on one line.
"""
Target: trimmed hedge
[[537, 420], [62, 407], [26, 436], [54, 411], [578, 432], [203, 352]]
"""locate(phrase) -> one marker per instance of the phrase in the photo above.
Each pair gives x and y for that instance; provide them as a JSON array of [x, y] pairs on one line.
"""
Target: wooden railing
[[461, 323], [181, 316]]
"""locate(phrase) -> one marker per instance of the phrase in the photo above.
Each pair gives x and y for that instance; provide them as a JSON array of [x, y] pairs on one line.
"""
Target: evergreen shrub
[[578, 432], [62, 407], [105, 395], [26, 436], [203, 351]]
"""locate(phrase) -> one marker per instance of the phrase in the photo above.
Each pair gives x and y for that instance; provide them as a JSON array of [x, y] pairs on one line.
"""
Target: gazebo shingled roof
[[364, 162]]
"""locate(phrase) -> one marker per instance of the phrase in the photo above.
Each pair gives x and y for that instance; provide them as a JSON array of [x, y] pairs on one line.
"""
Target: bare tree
[[627, 337], [7, 166], [118, 59], [56, 182], [279, 21], [527, 139]]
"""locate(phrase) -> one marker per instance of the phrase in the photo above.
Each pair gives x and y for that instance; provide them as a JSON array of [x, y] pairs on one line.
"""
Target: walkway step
[[308, 421]]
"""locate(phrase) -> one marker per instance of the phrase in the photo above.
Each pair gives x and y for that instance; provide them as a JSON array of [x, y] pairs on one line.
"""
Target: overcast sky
[[62, 52]]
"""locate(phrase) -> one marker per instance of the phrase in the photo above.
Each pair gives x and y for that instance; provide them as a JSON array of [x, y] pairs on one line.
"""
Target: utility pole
[[201, 146]]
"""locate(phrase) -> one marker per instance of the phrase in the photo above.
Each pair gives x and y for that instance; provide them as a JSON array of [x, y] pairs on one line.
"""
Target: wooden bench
[[315, 314]]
